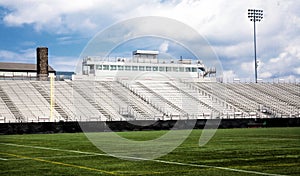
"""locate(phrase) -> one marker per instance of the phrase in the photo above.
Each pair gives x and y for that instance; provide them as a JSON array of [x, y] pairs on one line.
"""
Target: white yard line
[[145, 159], [54, 157], [203, 166], [55, 149], [3, 159]]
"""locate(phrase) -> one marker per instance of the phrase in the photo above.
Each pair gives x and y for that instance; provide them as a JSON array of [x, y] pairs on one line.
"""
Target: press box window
[[154, 68], [194, 69], [134, 68], [141, 68], [148, 68], [105, 67], [175, 69], [162, 69], [99, 67], [113, 67], [127, 68], [120, 67], [188, 69]]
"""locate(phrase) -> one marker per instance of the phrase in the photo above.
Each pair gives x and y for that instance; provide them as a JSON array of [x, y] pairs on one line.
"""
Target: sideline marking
[[145, 159], [60, 163]]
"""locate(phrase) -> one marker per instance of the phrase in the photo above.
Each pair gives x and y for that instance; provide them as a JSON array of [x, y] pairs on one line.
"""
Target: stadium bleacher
[[29, 101]]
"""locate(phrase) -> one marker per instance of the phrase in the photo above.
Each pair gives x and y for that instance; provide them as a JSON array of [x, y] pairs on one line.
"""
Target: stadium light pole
[[255, 16]]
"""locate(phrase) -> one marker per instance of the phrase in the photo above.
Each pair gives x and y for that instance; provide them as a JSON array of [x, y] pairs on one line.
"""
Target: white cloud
[[59, 63], [163, 48], [247, 67], [229, 76], [4, 54], [265, 75], [297, 70], [25, 56], [28, 43], [224, 24], [285, 64], [63, 63], [236, 51], [56, 15]]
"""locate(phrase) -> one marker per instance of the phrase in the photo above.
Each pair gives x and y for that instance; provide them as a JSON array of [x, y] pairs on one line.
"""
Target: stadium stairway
[[241, 98], [182, 112], [121, 96], [135, 97], [279, 94], [216, 111], [5, 114], [40, 89], [101, 96], [263, 99], [77, 108], [231, 103], [289, 88], [153, 101], [103, 111], [11, 106]]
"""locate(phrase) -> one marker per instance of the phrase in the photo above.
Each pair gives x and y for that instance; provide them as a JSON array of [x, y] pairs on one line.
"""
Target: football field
[[247, 151]]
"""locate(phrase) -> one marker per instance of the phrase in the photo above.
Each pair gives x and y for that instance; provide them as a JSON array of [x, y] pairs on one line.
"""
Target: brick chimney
[[42, 63]]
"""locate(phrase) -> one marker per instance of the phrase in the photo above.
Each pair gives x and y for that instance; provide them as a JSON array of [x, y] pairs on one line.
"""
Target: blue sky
[[66, 27]]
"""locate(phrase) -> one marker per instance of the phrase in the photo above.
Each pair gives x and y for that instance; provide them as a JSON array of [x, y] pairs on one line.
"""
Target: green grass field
[[256, 151]]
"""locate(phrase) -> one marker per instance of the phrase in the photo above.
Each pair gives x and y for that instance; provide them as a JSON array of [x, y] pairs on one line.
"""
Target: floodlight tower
[[255, 16]]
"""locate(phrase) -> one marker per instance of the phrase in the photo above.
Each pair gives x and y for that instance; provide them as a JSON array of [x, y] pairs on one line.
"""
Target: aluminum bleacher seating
[[6, 115], [29, 101]]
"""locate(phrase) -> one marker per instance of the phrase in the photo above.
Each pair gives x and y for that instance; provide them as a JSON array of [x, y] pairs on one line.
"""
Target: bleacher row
[[29, 101]]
